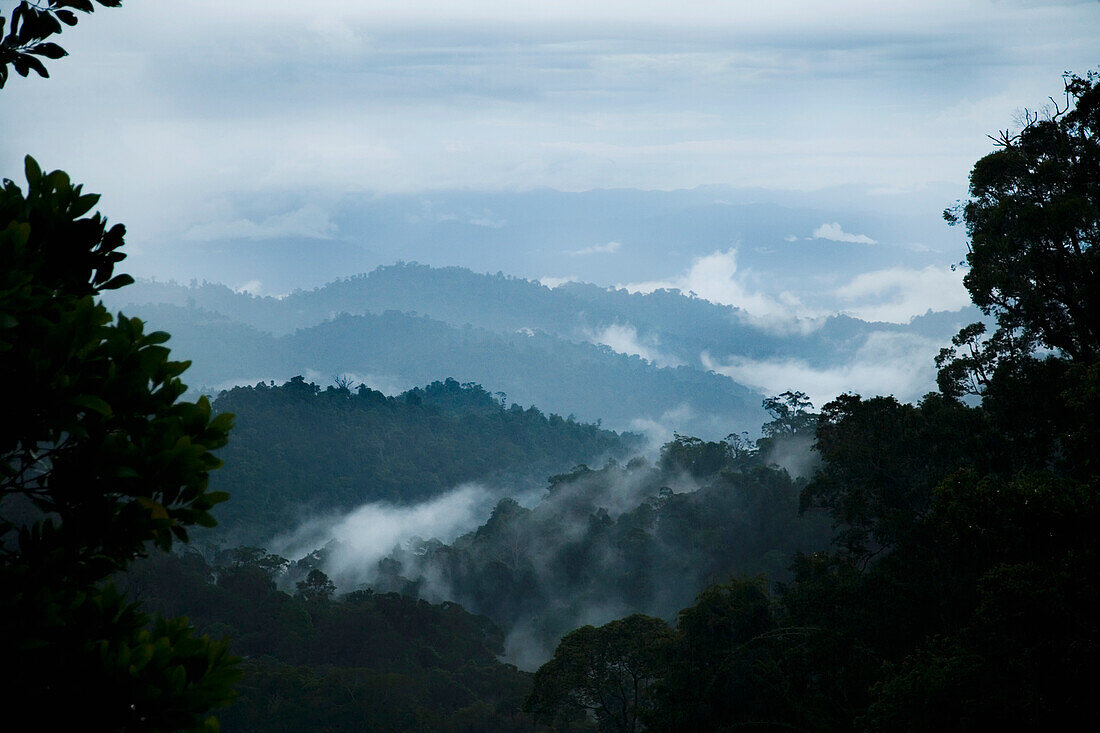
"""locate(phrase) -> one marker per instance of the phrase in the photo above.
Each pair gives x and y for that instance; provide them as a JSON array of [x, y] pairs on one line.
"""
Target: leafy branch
[[32, 23]]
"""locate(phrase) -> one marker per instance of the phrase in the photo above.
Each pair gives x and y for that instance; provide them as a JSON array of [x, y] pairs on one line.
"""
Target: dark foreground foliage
[[100, 463], [363, 661]]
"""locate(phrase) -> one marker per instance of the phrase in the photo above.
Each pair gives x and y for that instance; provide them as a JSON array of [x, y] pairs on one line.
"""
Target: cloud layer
[[886, 363], [202, 98]]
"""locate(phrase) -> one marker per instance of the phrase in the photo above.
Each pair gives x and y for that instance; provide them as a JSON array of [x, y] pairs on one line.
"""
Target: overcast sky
[[179, 111]]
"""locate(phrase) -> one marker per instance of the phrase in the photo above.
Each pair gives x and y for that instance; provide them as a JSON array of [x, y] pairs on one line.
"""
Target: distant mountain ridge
[[409, 324]]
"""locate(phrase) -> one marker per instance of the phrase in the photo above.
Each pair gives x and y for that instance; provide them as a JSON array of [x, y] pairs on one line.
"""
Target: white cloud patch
[[897, 294], [252, 287], [369, 533], [661, 430], [886, 363], [488, 221], [555, 282], [598, 249], [624, 339], [716, 277], [835, 233], [308, 222]]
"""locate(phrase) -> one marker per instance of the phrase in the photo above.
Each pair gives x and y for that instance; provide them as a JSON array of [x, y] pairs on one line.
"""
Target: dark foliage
[[363, 661], [100, 462], [31, 23]]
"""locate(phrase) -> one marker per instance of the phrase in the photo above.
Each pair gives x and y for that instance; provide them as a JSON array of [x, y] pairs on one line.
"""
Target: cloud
[[886, 363], [308, 222], [897, 294], [609, 248], [555, 282], [624, 339], [834, 233], [488, 222], [252, 287], [367, 534], [661, 430], [715, 277]]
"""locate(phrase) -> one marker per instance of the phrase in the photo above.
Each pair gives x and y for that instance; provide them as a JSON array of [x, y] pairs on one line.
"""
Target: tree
[[316, 586], [99, 463], [608, 672], [722, 674], [32, 22], [791, 414], [1034, 223], [881, 460]]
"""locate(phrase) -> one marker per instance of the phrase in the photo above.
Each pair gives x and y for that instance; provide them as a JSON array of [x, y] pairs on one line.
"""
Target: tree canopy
[[99, 462], [1034, 223]]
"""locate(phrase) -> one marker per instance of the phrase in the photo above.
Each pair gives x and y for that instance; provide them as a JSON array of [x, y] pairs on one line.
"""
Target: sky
[[223, 133]]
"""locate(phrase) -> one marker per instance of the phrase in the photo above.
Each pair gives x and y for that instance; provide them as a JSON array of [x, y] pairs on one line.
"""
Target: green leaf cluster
[[30, 25], [99, 462]]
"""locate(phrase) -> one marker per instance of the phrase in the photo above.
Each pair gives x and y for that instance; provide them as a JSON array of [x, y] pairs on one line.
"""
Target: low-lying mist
[[598, 544], [358, 539]]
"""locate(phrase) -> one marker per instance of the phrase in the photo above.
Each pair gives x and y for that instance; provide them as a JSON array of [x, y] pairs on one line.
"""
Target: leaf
[[156, 509], [33, 63], [217, 497], [93, 403], [117, 281], [84, 204], [67, 17]]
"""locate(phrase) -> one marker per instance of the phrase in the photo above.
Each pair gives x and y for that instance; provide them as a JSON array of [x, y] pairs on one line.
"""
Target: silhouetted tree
[[99, 463], [608, 672], [1034, 223]]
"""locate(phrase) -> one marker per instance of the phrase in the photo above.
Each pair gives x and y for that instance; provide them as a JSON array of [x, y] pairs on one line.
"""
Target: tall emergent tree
[[100, 462], [1034, 223]]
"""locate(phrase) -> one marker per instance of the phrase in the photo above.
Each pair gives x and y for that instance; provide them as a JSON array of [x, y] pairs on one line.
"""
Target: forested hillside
[[368, 661], [300, 450], [604, 543], [397, 351], [681, 325]]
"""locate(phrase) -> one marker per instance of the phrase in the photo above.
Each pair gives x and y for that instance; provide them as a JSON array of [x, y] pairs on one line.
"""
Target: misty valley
[[778, 459]]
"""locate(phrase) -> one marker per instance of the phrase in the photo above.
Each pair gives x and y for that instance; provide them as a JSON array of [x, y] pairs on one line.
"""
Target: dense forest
[[874, 565], [621, 539], [368, 661], [350, 444]]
